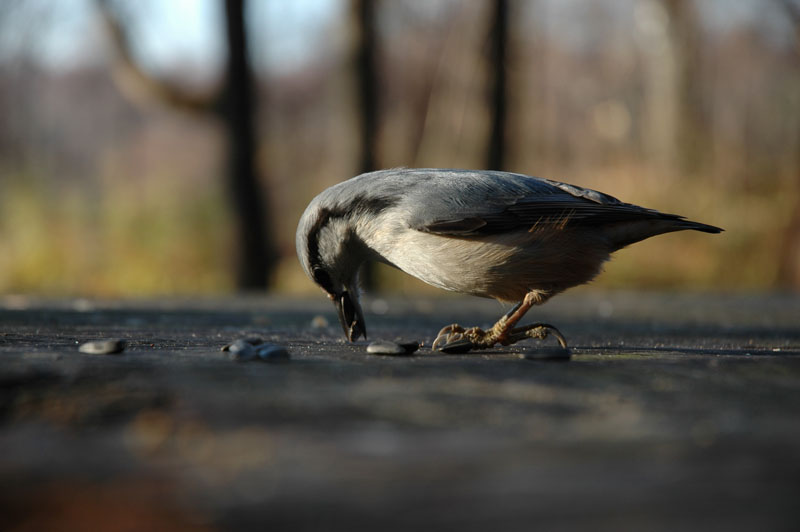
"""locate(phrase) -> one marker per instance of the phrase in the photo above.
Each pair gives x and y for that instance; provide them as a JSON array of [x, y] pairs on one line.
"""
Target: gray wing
[[477, 203]]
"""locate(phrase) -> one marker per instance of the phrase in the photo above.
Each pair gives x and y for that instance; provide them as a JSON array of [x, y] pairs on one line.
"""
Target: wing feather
[[477, 204]]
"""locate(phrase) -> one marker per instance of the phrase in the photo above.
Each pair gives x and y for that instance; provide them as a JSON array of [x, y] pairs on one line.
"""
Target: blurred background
[[162, 148]]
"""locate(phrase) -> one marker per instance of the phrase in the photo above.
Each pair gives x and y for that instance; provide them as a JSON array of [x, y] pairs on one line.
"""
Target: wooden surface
[[675, 412]]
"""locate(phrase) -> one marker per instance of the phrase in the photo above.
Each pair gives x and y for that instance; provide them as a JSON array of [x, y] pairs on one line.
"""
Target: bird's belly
[[504, 267]]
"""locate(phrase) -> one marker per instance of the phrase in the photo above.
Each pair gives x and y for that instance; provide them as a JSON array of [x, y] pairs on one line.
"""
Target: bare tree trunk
[[789, 259], [684, 34], [364, 14], [367, 83], [669, 43], [660, 85], [255, 256], [498, 96]]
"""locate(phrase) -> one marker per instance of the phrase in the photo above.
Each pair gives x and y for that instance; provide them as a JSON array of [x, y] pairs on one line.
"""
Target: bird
[[508, 236]]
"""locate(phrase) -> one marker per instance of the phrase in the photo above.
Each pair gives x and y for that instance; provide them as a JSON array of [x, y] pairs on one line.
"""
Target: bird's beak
[[350, 316]]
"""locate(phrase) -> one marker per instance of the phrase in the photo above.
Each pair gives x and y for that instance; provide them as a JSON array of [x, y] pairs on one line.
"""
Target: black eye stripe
[[360, 205], [322, 278], [318, 273]]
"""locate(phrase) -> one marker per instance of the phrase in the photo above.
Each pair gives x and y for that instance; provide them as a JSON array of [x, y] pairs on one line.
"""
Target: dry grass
[[124, 241], [160, 236]]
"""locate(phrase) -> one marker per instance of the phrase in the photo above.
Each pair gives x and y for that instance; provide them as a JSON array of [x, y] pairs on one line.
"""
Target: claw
[[446, 339], [448, 334], [439, 340], [449, 329]]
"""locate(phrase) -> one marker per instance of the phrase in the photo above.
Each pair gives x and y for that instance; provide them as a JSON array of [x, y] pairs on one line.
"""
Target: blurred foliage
[[103, 197], [123, 241]]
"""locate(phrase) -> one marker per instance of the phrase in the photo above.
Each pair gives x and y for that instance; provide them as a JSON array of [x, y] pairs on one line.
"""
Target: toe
[[441, 339], [454, 328]]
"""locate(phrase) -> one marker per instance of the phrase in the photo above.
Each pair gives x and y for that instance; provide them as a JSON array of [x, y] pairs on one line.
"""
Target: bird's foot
[[456, 339]]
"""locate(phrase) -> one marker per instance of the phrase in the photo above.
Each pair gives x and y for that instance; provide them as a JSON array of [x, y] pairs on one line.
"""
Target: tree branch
[[792, 10], [137, 83]]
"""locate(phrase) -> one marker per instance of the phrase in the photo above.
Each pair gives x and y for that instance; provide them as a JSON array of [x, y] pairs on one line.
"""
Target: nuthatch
[[500, 235]]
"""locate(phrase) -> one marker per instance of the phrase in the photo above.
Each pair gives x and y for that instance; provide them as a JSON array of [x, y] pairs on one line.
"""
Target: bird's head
[[331, 255]]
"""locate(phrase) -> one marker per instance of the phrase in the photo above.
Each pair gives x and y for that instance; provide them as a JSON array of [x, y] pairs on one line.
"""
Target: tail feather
[[697, 226], [627, 233]]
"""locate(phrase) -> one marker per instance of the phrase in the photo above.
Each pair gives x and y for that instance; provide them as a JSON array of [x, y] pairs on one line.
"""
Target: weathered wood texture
[[675, 412]]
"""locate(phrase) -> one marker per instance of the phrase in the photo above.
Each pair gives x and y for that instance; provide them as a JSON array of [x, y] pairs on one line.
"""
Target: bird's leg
[[455, 338]]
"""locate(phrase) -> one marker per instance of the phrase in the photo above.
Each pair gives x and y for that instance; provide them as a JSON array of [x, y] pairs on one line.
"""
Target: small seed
[[319, 322]]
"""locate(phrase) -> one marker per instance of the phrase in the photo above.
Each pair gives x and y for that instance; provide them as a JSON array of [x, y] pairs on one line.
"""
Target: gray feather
[[465, 203]]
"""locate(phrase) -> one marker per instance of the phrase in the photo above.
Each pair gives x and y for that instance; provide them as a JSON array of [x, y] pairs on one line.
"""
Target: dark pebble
[[547, 353]]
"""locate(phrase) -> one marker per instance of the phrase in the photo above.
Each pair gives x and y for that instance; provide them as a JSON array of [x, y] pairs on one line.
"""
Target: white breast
[[505, 266]]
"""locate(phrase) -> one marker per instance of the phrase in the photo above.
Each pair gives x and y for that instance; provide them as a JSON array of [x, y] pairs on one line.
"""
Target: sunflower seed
[[241, 351], [272, 353], [383, 347], [103, 347]]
